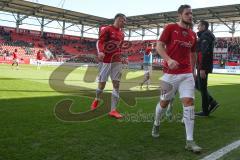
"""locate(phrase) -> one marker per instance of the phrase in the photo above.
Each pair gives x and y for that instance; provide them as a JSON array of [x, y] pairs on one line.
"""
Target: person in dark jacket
[[205, 45]]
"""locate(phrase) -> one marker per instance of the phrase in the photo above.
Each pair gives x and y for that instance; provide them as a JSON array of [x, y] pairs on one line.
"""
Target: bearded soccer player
[[109, 53], [177, 46]]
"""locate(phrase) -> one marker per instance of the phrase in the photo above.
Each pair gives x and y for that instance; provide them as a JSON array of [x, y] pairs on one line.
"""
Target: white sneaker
[[192, 146], [155, 131]]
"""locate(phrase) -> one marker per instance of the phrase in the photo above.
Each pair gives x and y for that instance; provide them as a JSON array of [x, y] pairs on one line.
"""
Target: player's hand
[[172, 64], [202, 74], [101, 55], [194, 76]]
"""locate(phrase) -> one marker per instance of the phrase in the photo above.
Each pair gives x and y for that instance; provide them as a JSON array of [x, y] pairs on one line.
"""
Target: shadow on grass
[[107, 138]]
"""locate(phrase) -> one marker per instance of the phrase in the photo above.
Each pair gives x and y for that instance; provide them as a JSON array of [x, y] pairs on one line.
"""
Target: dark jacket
[[205, 45]]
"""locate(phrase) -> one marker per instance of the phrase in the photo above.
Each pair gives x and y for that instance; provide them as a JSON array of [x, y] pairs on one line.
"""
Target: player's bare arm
[[101, 55]]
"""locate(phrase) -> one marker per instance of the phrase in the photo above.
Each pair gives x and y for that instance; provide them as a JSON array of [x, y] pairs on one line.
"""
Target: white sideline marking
[[221, 152]]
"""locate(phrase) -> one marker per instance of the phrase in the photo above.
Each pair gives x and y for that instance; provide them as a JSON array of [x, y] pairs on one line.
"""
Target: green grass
[[30, 130], [234, 155]]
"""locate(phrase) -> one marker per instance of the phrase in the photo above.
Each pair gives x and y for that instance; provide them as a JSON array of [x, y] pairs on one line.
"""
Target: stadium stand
[[77, 49], [227, 51], [67, 47]]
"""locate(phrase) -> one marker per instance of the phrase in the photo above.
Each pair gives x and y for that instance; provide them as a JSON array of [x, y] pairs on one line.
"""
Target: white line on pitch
[[221, 152]]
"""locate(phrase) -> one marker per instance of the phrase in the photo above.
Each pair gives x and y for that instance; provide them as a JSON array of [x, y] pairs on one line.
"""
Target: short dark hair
[[119, 15], [205, 23], [182, 7]]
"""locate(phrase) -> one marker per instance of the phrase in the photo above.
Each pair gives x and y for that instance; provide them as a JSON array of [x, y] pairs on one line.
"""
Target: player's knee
[[116, 84], [101, 85], [164, 103], [187, 101]]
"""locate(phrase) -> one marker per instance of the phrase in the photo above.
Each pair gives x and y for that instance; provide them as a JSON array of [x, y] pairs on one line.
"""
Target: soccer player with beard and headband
[[176, 46], [109, 54]]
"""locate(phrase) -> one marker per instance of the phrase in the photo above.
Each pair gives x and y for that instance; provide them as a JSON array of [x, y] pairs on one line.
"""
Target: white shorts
[[147, 69], [39, 61], [183, 83], [114, 70], [16, 60]]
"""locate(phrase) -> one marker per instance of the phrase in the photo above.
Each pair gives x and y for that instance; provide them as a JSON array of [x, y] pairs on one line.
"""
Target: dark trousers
[[201, 85]]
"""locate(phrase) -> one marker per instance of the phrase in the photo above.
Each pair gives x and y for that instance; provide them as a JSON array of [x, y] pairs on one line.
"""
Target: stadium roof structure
[[219, 14], [227, 15], [39, 10]]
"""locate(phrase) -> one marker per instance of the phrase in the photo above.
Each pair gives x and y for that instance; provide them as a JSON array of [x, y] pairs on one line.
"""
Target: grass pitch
[[31, 131]]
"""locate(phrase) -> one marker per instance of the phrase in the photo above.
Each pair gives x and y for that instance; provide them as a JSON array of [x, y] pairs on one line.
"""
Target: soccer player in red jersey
[[109, 54], [39, 59], [15, 59], [147, 65], [177, 46]]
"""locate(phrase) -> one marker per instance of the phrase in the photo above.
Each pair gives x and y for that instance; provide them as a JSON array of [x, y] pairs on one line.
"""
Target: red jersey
[[180, 42], [14, 55], [148, 50], [39, 56], [110, 41]]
